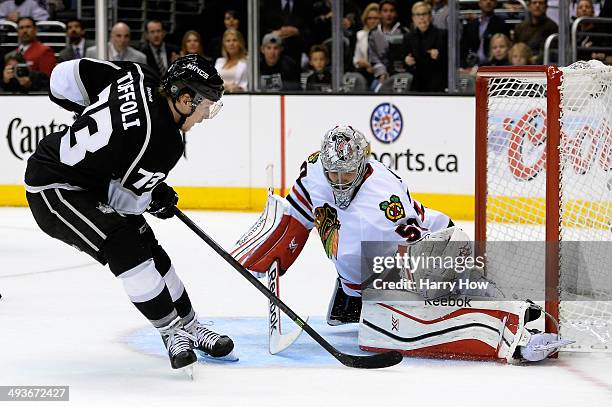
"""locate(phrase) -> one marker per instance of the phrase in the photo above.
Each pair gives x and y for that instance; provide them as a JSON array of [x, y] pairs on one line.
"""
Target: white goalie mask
[[344, 155]]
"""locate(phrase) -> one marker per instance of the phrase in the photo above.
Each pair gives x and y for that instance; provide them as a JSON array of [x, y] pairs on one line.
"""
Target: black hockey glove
[[163, 200]]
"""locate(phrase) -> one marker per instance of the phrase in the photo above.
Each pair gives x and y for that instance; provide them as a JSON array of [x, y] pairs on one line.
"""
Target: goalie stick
[[376, 361], [277, 342]]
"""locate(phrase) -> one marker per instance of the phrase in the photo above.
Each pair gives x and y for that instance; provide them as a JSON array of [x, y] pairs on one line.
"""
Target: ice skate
[[541, 345], [179, 344], [343, 309], [210, 343]]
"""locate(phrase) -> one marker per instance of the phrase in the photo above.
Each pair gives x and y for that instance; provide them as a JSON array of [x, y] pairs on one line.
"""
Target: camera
[[22, 70]]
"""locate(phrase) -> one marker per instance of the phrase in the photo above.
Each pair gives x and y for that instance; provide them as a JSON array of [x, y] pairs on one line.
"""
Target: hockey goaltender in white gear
[[351, 198]]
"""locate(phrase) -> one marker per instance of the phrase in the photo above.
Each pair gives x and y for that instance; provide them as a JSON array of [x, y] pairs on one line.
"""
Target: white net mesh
[[516, 194], [586, 203]]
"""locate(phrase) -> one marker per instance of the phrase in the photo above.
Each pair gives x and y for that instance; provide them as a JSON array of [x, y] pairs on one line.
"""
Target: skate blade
[[230, 357], [189, 371]]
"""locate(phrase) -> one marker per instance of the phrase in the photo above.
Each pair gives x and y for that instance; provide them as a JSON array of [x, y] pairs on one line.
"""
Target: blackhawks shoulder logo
[[393, 208], [328, 225], [312, 158]]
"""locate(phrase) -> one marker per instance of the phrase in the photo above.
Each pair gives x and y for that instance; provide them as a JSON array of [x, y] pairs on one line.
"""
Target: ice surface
[[65, 320]]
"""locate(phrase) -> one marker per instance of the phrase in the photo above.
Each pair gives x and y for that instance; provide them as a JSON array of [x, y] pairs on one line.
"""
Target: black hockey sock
[[160, 311], [149, 294], [184, 308], [179, 295], [130, 258]]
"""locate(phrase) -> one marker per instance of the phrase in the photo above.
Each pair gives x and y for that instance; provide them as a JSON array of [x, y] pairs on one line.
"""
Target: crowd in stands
[[389, 45]]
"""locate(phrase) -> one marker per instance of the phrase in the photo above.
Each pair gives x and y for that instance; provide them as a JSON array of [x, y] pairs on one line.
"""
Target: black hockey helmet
[[195, 73]]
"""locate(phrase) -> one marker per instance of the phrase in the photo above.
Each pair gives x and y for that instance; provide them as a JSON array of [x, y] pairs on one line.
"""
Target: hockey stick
[[277, 341], [376, 361]]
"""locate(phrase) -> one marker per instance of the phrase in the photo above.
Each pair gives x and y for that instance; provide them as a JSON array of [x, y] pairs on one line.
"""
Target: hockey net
[[544, 174]]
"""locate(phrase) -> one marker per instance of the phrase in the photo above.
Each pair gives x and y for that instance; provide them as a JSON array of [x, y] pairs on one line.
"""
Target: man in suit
[[534, 30], [290, 20], [77, 44], [38, 56], [159, 53], [478, 32], [119, 46]]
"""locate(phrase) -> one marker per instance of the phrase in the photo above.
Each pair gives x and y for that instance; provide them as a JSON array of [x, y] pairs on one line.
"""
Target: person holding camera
[[17, 77], [39, 56]]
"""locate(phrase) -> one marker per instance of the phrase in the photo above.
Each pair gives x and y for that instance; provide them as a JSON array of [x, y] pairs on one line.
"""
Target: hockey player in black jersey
[[89, 184]]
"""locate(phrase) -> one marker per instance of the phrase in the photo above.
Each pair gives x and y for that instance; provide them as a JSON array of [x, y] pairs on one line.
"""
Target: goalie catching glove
[[275, 235]]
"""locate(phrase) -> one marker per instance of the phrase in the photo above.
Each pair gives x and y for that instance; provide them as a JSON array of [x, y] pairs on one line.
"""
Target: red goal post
[[544, 174]]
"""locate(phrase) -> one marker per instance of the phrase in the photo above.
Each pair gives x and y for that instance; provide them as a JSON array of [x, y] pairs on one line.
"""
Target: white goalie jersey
[[416, 322], [381, 210]]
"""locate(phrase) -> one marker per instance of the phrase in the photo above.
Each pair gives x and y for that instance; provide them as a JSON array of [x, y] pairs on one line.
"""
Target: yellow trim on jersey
[[254, 199]]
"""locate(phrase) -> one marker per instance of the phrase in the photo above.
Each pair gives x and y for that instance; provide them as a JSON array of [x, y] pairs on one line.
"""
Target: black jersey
[[123, 143]]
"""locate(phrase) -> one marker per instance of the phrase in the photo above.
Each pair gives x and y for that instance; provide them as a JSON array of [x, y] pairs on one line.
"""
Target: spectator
[[14, 9], [478, 32], [232, 66], [520, 54], [77, 44], [290, 20], [278, 71], [38, 56], [584, 8], [499, 46], [55, 8], [320, 79], [426, 52], [322, 26], [535, 28], [159, 53], [18, 78], [370, 19], [584, 35], [385, 43], [231, 21], [119, 46], [192, 44], [439, 11]]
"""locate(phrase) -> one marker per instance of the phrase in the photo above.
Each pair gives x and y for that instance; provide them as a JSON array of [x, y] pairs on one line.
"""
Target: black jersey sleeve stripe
[[299, 209], [394, 174], [303, 173]]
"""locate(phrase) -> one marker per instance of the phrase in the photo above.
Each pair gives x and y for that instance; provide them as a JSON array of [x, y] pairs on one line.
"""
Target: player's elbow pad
[[64, 89], [275, 235]]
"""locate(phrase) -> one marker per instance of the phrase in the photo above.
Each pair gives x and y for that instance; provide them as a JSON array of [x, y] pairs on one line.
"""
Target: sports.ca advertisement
[[429, 141]]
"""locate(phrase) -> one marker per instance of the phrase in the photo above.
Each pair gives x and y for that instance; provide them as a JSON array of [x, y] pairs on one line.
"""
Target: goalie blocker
[[275, 235]]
